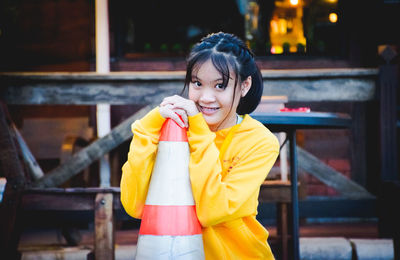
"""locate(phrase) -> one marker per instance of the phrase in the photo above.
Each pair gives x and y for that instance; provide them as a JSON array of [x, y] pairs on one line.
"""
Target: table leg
[[283, 228], [294, 194]]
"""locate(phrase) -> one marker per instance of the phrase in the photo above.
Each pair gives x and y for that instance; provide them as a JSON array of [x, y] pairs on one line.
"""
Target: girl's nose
[[207, 95]]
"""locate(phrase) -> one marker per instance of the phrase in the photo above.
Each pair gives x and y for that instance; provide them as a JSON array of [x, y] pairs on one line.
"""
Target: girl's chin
[[210, 120]]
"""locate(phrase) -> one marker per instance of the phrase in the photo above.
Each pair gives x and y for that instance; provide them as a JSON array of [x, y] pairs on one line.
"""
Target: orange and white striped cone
[[169, 227]]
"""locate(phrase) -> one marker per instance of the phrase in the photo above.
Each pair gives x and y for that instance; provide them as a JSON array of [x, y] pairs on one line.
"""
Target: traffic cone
[[169, 227]]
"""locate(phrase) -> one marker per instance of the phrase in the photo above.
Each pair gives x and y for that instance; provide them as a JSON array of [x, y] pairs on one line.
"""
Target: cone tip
[[171, 131]]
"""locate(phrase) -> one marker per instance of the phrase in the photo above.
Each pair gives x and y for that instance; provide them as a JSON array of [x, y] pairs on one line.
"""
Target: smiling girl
[[230, 152]]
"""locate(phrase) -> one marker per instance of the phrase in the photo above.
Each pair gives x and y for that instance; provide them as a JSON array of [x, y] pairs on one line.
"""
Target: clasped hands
[[178, 109]]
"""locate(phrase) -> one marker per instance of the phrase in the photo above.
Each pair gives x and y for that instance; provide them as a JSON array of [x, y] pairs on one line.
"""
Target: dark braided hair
[[227, 51]]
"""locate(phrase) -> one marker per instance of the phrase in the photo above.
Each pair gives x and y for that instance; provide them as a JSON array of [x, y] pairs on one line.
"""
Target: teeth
[[209, 108]]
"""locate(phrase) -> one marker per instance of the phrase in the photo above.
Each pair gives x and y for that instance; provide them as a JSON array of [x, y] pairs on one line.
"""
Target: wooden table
[[289, 122]]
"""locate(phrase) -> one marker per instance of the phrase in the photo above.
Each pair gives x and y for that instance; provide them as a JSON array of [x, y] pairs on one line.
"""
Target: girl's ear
[[245, 86]]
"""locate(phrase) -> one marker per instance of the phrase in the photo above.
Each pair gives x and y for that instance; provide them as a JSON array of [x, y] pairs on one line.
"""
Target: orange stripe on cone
[[169, 220], [171, 131]]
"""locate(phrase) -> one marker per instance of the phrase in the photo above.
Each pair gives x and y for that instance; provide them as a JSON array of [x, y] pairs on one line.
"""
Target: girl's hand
[[176, 105], [178, 115]]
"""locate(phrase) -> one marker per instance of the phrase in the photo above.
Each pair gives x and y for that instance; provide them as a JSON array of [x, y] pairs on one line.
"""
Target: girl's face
[[218, 105]]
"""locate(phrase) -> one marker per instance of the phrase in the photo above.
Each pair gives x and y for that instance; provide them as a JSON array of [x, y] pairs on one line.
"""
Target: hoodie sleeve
[[227, 193], [136, 171]]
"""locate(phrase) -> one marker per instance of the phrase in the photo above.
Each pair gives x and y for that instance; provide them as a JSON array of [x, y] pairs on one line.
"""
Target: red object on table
[[298, 109]]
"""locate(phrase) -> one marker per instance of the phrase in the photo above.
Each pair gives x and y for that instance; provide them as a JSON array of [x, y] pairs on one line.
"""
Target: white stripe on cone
[[170, 247], [170, 183], [170, 209]]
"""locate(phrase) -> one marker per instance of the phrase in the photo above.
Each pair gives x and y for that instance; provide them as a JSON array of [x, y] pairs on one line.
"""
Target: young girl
[[230, 152]]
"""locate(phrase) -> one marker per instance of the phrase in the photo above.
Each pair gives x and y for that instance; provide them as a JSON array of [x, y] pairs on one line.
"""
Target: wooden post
[[282, 216], [104, 231], [388, 84], [358, 154], [11, 167], [390, 184], [103, 119]]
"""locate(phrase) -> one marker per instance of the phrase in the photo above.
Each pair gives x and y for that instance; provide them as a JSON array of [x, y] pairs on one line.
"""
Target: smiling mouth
[[208, 110]]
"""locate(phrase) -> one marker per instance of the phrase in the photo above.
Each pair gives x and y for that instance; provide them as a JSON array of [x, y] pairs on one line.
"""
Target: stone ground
[[315, 240]]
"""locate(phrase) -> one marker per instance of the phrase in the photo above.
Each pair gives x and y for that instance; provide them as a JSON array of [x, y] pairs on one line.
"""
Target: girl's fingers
[[167, 111], [177, 118], [188, 106], [182, 106], [171, 100], [166, 101], [182, 116]]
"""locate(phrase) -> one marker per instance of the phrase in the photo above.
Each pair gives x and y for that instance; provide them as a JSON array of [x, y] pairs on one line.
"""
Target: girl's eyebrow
[[194, 77]]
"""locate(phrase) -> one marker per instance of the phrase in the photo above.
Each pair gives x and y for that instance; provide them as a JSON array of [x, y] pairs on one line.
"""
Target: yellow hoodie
[[226, 193]]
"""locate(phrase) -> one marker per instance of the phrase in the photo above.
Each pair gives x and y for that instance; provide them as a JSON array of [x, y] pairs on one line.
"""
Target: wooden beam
[[27, 156], [275, 191], [91, 153], [318, 90], [330, 176], [308, 85], [143, 87], [73, 199], [88, 88]]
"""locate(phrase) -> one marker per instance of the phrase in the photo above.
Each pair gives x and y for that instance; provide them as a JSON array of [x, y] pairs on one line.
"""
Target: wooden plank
[[73, 199], [324, 207], [91, 153], [275, 191], [89, 90], [104, 227], [339, 207], [28, 158], [77, 190], [321, 89], [57, 201], [346, 187], [145, 87]]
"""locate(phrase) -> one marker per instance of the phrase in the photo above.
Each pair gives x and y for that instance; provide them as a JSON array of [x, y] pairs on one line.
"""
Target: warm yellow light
[[276, 49], [294, 2], [333, 17], [282, 26], [274, 27]]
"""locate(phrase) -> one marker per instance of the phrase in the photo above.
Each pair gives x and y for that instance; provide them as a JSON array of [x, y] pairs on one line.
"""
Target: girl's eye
[[196, 83], [219, 86]]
